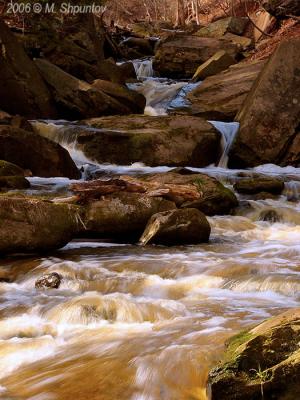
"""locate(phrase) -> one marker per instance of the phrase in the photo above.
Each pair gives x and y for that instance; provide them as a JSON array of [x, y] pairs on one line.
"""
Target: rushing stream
[[134, 323]]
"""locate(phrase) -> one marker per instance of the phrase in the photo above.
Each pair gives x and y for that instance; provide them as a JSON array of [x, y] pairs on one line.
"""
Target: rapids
[[135, 323]]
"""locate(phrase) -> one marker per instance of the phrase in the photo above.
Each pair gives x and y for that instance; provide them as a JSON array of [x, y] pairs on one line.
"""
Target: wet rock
[[29, 225], [48, 281], [214, 198], [269, 118], [264, 196], [15, 121], [179, 56], [128, 71], [123, 213], [135, 102], [13, 182], [39, 155], [22, 89], [261, 363], [220, 97], [269, 216], [77, 99], [165, 140], [217, 29], [141, 45], [187, 226], [215, 64], [261, 184]]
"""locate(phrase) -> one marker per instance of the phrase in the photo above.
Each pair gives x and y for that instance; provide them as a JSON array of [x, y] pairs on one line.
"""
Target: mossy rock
[[263, 362], [14, 182], [10, 169]]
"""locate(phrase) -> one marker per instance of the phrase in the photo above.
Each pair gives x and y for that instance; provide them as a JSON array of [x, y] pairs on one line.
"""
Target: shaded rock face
[[269, 119], [282, 8], [48, 281], [135, 102], [214, 198], [77, 99], [123, 213], [38, 154], [180, 56], [29, 225], [220, 97], [187, 226], [22, 90], [134, 46], [176, 141], [9, 169], [261, 184], [217, 29], [261, 363]]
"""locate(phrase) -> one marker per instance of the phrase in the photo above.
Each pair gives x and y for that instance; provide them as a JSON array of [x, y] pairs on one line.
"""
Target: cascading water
[[143, 68], [137, 323]]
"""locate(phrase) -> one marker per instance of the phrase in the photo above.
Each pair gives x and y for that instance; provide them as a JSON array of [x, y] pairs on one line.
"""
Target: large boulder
[[220, 97], [77, 99], [263, 363], [22, 89], [166, 140], [39, 155], [179, 56], [282, 8], [186, 226], [123, 213], [214, 197], [29, 225], [269, 119], [217, 29], [10, 169]]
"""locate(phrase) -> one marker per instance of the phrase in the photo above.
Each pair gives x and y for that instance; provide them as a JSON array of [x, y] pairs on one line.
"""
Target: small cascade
[[159, 93], [180, 102], [64, 133], [143, 68], [228, 131]]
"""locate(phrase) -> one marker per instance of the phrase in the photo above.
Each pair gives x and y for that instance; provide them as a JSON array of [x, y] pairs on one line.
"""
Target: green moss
[[235, 342]]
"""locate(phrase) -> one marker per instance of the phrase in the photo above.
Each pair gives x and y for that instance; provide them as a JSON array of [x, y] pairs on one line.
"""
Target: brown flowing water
[[135, 323]]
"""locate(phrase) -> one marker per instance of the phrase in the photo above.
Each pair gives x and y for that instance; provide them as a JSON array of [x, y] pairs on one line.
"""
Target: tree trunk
[[180, 17]]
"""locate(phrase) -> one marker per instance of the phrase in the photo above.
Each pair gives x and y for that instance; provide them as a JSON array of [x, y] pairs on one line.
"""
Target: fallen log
[[93, 190]]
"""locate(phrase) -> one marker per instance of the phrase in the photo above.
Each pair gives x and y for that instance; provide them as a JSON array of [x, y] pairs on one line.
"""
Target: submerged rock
[[22, 89], [187, 226], [179, 56], [260, 184], [261, 363], [30, 225], [39, 155], [221, 96], [269, 118], [48, 281], [155, 141]]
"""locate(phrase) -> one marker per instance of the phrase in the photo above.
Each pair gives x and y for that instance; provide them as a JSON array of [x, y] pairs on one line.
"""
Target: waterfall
[[143, 68], [228, 131], [65, 134]]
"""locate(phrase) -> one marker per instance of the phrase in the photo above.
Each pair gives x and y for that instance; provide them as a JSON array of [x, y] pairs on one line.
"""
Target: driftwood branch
[[93, 190], [260, 30]]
